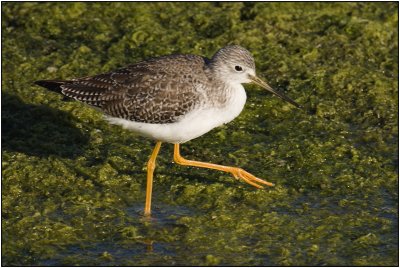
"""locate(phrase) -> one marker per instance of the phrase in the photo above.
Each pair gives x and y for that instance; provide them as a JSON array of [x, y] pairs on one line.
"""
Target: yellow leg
[[151, 165], [238, 173]]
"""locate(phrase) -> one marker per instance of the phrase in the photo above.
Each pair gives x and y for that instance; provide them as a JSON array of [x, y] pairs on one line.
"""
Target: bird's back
[[158, 90]]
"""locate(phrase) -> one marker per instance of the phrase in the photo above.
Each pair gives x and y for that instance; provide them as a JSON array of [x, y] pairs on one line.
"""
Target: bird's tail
[[53, 85]]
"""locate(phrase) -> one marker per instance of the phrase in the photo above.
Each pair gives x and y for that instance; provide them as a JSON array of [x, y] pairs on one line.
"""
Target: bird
[[173, 99]]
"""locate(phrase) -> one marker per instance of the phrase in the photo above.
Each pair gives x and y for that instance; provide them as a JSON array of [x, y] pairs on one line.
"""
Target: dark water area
[[73, 186]]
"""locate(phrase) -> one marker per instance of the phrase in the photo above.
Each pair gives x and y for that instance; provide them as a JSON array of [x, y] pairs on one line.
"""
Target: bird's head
[[235, 65]]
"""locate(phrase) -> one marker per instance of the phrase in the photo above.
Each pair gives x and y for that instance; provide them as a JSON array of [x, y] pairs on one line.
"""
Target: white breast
[[192, 125]]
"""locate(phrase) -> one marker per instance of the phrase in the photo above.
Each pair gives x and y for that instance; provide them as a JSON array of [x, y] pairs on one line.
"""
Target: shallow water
[[73, 187]]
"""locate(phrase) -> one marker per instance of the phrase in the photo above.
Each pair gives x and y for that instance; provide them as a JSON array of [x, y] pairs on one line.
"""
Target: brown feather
[[148, 92]]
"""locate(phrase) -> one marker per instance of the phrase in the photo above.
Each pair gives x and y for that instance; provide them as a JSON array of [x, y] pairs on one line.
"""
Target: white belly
[[193, 125]]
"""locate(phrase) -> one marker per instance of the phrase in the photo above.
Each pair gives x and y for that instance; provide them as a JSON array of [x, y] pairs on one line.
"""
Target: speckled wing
[[159, 91]]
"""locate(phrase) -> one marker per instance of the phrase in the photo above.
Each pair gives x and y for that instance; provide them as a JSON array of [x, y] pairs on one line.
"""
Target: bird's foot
[[240, 173]]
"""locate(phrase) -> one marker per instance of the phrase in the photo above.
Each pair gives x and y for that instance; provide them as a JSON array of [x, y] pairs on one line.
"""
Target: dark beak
[[262, 84]]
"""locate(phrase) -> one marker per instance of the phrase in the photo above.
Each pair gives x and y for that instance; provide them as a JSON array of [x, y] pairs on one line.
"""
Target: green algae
[[73, 186]]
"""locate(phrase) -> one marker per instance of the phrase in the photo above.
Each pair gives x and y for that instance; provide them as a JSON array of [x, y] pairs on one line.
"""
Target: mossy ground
[[73, 186]]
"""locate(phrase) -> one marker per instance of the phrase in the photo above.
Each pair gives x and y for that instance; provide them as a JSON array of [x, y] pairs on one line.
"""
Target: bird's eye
[[238, 68]]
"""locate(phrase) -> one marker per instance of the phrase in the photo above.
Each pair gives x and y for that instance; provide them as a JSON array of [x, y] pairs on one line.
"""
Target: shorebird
[[173, 99]]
